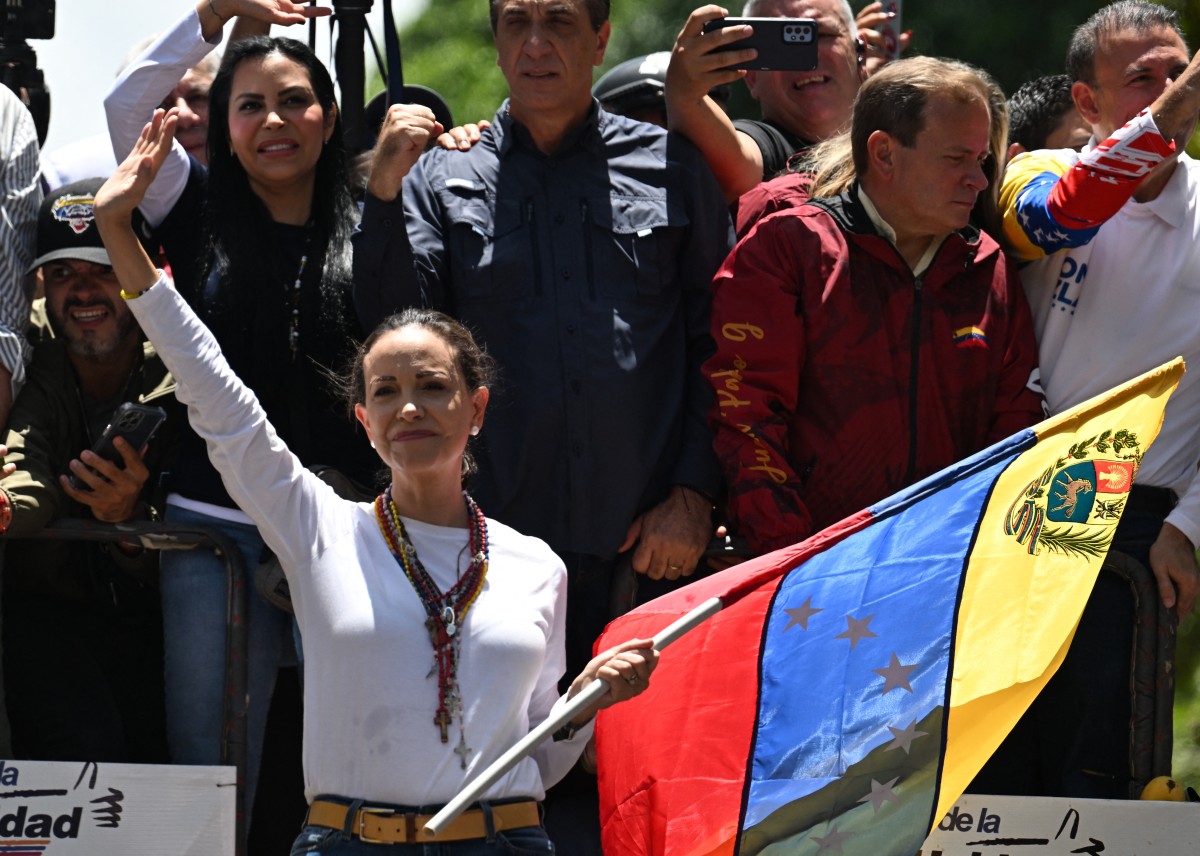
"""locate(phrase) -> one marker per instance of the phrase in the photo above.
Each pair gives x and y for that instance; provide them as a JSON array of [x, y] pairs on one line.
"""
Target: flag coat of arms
[[855, 683]]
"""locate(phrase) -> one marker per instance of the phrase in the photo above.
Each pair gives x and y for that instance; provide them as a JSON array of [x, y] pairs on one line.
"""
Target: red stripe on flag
[[697, 812]]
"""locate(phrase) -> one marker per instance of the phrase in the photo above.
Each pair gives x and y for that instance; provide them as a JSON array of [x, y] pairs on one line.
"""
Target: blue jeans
[[194, 602], [322, 841]]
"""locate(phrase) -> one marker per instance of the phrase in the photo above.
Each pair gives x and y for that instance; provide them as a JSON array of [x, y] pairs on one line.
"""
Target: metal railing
[[1151, 673], [169, 536]]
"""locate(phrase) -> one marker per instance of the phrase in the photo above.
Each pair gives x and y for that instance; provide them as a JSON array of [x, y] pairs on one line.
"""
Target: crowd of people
[[694, 339]]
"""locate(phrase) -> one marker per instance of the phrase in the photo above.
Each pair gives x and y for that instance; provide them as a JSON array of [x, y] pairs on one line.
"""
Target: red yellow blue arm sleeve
[[1054, 200]]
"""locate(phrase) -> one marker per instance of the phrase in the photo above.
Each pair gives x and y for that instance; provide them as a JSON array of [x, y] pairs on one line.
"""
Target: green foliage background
[[1187, 704], [450, 49], [450, 46]]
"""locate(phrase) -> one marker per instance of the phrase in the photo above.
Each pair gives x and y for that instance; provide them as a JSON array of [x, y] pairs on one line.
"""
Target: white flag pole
[[588, 696]]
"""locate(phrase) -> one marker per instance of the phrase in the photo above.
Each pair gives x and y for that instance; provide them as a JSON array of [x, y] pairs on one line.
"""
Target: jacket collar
[[508, 132], [965, 247], [848, 210]]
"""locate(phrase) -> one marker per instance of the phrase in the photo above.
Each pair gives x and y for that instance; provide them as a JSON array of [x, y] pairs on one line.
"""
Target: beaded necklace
[[445, 612], [294, 300]]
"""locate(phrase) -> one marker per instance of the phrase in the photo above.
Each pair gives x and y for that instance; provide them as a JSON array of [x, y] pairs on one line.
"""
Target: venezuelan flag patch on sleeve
[[970, 337]]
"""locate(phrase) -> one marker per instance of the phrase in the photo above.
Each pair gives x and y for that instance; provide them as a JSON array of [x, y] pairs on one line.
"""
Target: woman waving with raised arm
[[258, 244], [433, 635]]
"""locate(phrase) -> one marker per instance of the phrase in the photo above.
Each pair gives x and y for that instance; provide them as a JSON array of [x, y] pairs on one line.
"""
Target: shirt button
[[566, 274], [577, 450], [558, 218], [570, 328], [576, 386]]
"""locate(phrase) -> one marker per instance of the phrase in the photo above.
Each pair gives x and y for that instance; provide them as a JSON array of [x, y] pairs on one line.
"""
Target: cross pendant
[[462, 751], [442, 721]]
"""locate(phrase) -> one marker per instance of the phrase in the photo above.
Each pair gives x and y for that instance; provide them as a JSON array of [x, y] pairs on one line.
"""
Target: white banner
[[89, 809], [1043, 826]]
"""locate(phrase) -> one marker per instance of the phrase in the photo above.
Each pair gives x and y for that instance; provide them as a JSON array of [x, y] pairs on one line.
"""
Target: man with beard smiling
[[82, 634]]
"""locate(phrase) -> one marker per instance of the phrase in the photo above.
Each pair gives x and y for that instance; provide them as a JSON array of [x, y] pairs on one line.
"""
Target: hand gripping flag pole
[[538, 735]]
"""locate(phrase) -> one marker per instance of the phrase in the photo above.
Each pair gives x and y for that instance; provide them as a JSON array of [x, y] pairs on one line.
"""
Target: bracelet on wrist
[[134, 295]]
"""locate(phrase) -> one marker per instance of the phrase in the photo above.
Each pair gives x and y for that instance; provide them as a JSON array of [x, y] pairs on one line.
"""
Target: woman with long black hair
[[258, 244]]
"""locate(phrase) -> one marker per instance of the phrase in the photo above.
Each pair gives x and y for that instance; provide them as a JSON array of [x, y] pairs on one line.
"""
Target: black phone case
[[136, 423], [783, 44]]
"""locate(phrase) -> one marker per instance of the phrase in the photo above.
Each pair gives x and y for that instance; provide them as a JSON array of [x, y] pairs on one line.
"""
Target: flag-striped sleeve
[[1054, 200]]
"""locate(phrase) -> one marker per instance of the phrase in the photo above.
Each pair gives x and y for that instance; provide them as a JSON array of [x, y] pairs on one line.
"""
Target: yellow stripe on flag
[[1029, 575]]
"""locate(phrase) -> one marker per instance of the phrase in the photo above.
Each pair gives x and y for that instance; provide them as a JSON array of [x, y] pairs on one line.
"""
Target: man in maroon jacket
[[872, 337]]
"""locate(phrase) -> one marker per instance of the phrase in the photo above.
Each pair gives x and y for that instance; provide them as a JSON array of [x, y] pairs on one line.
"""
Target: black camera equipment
[[21, 20], [348, 63], [360, 124]]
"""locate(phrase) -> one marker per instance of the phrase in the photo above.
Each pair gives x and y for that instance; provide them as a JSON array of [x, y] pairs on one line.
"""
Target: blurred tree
[[450, 46]]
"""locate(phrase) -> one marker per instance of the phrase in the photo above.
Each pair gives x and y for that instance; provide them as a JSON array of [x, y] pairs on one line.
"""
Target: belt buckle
[[410, 826]]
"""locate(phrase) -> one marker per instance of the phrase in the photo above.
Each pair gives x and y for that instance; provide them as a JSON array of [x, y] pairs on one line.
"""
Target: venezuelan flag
[[854, 684], [970, 336]]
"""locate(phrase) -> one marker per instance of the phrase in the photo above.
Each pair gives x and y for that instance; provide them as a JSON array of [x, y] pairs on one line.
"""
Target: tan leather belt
[[392, 826]]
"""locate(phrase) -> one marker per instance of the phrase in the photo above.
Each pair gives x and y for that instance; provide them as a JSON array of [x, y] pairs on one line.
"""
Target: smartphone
[[783, 44], [892, 28], [134, 423]]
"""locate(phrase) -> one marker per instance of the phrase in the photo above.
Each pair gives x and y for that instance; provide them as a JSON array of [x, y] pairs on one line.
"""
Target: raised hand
[[282, 12], [696, 66], [405, 130], [126, 187], [870, 21], [122, 193]]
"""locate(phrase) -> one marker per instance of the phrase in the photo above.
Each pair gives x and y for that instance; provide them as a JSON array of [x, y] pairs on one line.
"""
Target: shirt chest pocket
[[632, 245], [491, 248]]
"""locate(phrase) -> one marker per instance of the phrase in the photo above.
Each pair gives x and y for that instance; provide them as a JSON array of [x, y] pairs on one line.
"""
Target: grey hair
[[753, 7], [1138, 16]]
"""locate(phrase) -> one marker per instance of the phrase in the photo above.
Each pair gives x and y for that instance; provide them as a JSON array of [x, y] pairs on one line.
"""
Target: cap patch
[[76, 211]]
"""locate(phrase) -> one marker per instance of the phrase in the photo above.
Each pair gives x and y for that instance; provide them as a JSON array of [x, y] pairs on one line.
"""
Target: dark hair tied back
[[477, 367]]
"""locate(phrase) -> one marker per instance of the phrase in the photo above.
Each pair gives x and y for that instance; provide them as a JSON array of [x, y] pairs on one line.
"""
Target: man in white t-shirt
[[1111, 241]]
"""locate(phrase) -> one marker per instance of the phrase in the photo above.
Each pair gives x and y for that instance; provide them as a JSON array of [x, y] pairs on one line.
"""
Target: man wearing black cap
[[82, 635]]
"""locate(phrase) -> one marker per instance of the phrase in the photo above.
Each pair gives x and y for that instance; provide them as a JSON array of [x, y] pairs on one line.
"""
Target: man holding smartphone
[[82, 634], [799, 108]]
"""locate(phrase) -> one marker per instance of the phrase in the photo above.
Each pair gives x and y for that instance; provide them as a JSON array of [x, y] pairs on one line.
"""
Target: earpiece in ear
[[474, 430]]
